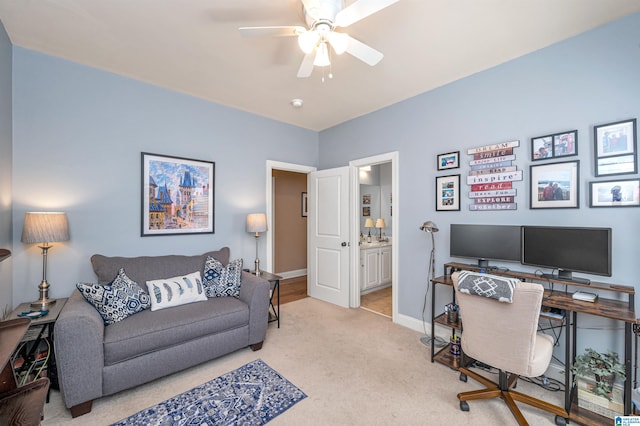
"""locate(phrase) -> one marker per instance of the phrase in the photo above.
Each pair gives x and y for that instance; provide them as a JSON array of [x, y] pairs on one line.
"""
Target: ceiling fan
[[322, 18]]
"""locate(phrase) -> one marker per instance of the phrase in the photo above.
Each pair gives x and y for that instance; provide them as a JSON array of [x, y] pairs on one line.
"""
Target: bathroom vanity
[[375, 265]]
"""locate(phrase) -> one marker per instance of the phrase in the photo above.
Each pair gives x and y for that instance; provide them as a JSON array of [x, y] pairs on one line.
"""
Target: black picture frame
[[450, 160], [614, 193], [555, 185], [563, 144], [448, 193], [615, 150], [178, 195]]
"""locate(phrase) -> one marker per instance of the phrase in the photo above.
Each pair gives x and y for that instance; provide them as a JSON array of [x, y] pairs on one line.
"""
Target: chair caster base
[[463, 377], [561, 421], [464, 406]]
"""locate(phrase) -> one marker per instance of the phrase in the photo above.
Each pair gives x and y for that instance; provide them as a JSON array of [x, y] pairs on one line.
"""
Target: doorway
[[381, 196], [284, 205]]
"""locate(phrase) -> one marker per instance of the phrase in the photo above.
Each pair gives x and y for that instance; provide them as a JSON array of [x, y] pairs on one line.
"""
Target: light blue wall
[[78, 137], [5, 168], [584, 81]]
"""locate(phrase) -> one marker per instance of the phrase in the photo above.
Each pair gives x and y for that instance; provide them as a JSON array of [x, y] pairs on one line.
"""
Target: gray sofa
[[94, 360]]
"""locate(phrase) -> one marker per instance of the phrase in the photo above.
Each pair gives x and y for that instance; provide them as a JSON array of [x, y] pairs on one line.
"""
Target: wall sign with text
[[492, 175]]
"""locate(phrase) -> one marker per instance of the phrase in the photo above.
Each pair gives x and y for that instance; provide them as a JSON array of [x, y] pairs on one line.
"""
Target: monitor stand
[[564, 275]]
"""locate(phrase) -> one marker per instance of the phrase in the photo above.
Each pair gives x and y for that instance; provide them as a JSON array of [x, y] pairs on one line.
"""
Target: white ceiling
[[194, 46]]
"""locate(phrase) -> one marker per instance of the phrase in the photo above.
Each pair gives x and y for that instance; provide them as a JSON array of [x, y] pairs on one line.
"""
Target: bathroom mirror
[[376, 199]]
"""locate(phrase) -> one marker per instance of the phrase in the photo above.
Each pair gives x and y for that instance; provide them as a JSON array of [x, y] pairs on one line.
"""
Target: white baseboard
[[293, 274]]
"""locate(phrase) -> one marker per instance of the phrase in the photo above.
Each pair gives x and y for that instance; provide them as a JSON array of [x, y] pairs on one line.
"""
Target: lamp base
[[43, 289], [257, 270], [43, 304]]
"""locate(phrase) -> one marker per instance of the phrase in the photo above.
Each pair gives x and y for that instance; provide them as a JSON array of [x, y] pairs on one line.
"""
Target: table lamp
[[257, 223], [44, 228], [368, 224], [380, 224]]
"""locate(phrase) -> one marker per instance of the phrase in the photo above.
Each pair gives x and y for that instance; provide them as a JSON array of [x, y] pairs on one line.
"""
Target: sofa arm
[[254, 291], [79, 336]]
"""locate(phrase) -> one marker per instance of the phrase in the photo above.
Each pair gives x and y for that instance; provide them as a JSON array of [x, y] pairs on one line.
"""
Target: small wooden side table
[[274, 282], [40, 328]]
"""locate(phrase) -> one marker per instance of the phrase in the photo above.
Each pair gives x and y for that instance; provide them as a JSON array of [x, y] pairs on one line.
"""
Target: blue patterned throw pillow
[[222, 280], [117, 300]]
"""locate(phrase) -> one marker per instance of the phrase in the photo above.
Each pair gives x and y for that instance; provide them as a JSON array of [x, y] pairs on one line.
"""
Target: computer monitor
[[567, 249], [485, 242]]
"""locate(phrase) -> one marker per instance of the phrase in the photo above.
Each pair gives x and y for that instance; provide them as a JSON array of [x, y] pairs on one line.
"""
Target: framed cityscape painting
[[177, 195]]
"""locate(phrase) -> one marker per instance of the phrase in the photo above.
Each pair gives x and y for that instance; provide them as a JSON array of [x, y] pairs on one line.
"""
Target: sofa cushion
[[117, 300], [220, 280], [176, 291], [149, 331], [147, 268]]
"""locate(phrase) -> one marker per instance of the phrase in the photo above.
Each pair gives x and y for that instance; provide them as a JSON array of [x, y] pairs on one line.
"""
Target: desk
[[619, 310], [274, 283]]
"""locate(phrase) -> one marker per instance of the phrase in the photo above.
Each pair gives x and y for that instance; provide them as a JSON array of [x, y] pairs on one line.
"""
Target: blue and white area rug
[[251, 395]]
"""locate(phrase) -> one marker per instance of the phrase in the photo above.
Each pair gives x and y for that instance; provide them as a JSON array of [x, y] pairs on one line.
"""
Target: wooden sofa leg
[[256, 346], [81, 409]]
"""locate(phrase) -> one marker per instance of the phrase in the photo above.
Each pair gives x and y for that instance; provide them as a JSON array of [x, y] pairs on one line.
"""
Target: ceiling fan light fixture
[[339, 42], [322, 56], [308, 41]]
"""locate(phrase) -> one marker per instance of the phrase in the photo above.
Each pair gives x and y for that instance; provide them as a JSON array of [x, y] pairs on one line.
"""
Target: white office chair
[[504, 335]]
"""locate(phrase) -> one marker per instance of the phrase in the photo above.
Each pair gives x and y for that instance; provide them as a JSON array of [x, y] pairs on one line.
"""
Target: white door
[[328, 236]]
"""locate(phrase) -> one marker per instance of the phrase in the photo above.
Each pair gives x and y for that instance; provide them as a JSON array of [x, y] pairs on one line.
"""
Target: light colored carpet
[[356, 367]]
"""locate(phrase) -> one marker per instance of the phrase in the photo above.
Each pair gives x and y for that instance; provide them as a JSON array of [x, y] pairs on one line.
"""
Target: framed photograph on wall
[[557, 145], [615, 148], [448, 193], [615, 193], [177, 195], [555, 185], [450, 160], [304, 205]]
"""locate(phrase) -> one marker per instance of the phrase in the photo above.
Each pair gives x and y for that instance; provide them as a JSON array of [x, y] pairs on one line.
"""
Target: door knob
[[344, 244]]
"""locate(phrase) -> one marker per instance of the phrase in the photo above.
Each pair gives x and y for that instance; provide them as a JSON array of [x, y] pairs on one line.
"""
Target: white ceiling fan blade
[[360, 10], [366, 54], [306, 68], [283, 31]]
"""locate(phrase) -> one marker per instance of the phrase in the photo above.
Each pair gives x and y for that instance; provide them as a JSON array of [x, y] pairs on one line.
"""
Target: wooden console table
[[618, 310]]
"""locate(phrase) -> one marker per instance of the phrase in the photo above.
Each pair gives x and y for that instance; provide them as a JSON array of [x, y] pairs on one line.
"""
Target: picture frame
[[366, 199], [555, 185], [304, 204], [178, 195], [615, 193], [615, 148], [450, 160], [563, 144], [366, 211], [448, 193]]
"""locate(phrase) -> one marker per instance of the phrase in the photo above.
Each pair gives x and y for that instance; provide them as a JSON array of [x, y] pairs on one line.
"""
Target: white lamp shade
[[322, 55], [308, 41], [45, 227], [368, 223], [380, 223], [339, 42], [256, 222]]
